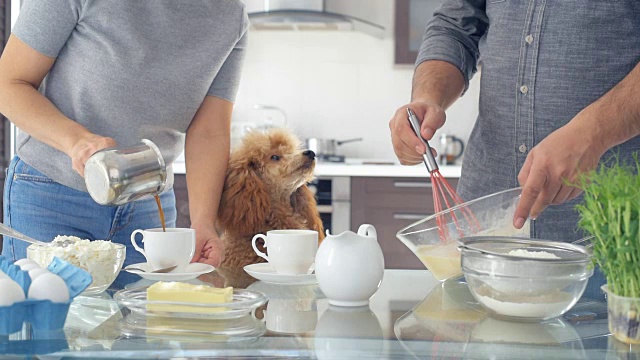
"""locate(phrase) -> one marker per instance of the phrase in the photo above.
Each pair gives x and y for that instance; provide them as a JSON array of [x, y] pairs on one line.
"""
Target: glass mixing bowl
[[524, 279], [492, 215], [102, 262]]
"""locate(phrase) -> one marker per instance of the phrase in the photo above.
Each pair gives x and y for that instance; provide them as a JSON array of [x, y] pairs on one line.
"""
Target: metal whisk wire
[[443, 192]]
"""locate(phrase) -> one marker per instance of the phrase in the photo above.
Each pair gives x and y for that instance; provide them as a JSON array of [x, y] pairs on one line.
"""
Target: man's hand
[[577, 147], [407, 146], [209, 246], [557, 160], [86, 146]]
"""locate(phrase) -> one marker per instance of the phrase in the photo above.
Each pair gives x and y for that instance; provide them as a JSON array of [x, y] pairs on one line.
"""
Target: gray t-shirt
[[131, 69]]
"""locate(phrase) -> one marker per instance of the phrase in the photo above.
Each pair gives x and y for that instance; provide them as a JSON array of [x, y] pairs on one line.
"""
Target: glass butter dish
[[244, 302]]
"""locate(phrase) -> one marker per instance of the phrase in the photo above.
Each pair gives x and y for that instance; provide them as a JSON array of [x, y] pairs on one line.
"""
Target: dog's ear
[[245, 202], [304, 203]]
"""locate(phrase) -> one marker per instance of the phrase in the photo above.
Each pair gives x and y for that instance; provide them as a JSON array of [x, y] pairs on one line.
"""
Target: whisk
[[443, 193]]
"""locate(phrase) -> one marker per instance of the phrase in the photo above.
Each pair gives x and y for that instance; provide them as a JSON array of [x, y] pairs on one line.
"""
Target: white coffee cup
[[163, 249], [290, 252]]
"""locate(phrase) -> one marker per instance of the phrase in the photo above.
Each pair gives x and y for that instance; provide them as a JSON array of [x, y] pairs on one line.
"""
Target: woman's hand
[[407, 146], [86, 146], [209, 246]]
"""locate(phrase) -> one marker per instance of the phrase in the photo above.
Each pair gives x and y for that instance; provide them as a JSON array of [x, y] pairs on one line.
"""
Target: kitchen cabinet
[[410, 22], [182, 201], [391, 204]]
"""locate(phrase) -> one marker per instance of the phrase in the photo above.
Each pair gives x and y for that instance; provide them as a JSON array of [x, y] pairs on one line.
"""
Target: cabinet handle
[[405, 216], [409, 184]]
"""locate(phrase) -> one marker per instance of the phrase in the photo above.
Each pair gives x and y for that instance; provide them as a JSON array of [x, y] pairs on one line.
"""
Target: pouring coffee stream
[[160, 212]]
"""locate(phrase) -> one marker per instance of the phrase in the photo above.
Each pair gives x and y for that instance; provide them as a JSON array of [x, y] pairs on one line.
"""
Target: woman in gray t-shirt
[[78, 76]]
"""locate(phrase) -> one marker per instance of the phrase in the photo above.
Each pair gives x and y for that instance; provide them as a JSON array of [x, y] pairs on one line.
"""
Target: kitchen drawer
[[409, 193], [391, 204], [388, 221], [398, 186]]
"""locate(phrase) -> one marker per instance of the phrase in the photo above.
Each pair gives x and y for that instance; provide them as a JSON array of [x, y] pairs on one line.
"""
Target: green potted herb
[[611, 213]]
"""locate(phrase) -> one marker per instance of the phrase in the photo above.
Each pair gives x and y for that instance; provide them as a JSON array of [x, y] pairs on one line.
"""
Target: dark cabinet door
[[411, 19]]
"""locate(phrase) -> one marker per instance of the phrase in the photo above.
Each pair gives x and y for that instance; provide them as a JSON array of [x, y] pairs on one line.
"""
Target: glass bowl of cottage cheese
[[102, 259]]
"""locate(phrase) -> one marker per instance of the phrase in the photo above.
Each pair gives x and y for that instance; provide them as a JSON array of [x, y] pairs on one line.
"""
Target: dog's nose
[[310, 154]]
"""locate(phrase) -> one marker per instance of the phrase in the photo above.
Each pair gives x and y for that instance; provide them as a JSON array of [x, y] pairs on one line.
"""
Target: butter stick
[[182, 292]]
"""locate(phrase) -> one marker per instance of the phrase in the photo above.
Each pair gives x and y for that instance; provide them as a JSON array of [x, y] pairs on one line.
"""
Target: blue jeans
[[39, 207]]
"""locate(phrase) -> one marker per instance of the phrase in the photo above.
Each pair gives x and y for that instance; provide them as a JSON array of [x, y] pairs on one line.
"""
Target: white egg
[[49, 287], [24, 262], [27, 267], [3, 275], [10, 292], [34, 273]]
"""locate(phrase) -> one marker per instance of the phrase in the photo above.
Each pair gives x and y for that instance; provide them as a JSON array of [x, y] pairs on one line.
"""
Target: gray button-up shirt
[[542, 62]]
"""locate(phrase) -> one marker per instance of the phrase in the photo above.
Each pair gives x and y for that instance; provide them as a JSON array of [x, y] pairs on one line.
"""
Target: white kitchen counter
[[324, 169], [332, 170]]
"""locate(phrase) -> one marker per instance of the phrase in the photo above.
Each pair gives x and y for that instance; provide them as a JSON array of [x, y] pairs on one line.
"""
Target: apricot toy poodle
[[266, 189]]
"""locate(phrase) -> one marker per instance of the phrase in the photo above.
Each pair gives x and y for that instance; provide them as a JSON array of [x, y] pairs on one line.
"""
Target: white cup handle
[[133, 242], [255, 248], [264, 315]]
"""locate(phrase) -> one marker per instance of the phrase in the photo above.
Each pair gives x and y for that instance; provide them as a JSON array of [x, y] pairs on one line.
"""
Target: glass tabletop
[[411, 316]]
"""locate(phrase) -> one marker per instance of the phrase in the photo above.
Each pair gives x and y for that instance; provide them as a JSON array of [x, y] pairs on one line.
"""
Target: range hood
[[304, 15]]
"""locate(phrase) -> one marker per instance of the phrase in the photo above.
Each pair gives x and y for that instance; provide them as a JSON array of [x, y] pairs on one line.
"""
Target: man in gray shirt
[[558, 90], [78, 76]]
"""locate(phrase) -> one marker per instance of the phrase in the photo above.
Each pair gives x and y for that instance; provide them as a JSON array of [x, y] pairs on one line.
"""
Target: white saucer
[[264, 272], [192, 271]]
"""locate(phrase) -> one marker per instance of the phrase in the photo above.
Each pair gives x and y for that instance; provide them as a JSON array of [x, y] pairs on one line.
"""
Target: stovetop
[[331, 158]]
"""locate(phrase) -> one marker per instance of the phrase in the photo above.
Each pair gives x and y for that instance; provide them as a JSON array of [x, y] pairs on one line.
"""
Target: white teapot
[[350, 267]]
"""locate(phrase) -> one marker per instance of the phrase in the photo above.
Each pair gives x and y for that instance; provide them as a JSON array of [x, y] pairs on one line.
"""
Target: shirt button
[[524, 89], [522, 148], [528, 39]]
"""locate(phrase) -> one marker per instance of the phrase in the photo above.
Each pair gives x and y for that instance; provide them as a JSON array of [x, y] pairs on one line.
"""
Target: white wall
[[336, 85]]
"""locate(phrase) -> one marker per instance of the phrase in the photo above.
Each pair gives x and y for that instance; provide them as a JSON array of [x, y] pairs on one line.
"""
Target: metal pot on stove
[[327, 149]]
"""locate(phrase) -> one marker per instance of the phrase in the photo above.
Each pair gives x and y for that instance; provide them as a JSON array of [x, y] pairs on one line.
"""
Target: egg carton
[[41, 314]]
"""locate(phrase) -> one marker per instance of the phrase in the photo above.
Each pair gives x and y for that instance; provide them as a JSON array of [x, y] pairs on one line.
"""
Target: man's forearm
[[437, 81], [616, 115]]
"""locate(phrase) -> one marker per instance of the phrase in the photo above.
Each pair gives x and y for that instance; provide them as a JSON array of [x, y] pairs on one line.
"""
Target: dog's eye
[[275, 157]]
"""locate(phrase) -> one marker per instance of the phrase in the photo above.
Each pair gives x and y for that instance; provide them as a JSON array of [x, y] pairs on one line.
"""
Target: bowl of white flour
[[524, 279]]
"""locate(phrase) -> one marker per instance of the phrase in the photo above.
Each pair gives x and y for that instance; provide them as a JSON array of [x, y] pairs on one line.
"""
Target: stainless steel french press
[[116, 176]]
